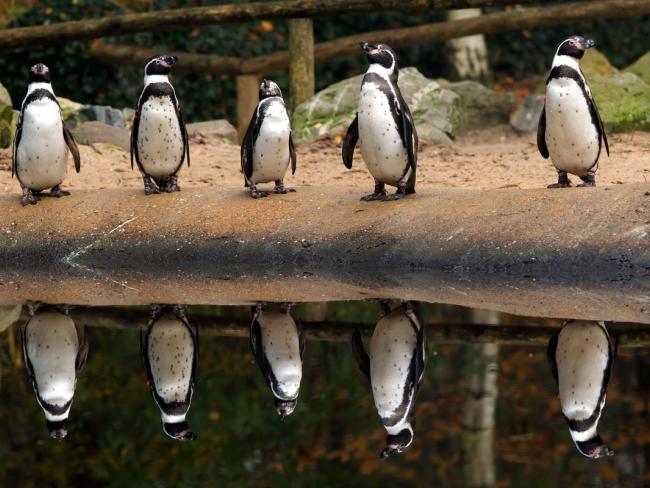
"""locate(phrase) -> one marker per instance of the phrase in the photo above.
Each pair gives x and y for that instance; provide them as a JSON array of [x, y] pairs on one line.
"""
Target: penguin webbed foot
[[563, 181], [589, 180], [171, 185], [395, 196], [150, 187], [57, 192], [374, 196], [281, 189], [28, 198], [255, 193]]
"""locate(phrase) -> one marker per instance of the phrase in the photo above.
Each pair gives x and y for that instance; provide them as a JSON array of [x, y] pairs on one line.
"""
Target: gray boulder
[[526, 118], [94, 131], [213, 128], [436, 110], [481, 106]]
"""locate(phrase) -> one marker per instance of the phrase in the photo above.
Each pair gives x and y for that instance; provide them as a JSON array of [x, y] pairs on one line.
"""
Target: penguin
[[159, 141], [42, 141], [395, 369], [278, 345], [581, 357], [55, 352], [170, 348], [570, 129], [267, 148], [384, 126]]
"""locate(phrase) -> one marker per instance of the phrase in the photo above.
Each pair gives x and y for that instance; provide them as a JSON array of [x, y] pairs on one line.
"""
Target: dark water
[[487, 414]]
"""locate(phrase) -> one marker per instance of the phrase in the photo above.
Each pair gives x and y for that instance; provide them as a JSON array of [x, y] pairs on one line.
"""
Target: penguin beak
[[59, 434], [587, 43], [367, 47], [170, 61], [388, 452], [266, 84]]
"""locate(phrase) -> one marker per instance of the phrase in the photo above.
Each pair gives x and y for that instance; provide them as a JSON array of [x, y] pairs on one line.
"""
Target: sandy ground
[[495, 158]]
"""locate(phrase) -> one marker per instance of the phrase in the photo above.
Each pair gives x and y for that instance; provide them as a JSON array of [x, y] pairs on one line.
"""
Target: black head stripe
[[571, 47]]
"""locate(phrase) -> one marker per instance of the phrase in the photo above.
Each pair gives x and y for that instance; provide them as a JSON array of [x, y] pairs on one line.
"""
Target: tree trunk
[[301, 61], [248, 87], [189, 18], [468, 56]]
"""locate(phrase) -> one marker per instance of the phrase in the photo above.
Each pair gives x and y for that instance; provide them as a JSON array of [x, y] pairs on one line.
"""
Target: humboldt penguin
[[581, 356], [267, 148], [159, 141], [384, 127], [170, 348], [395, 369], [42, 141], [278, 344], [55, 352], [570, 129]]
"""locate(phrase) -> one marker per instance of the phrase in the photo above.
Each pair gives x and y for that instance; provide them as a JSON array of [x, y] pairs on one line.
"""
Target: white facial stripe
[[172, 419], [148, 79], [56, 418], [562, 59]]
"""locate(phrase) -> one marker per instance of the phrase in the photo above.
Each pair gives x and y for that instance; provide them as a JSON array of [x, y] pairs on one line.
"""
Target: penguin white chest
[[160, 139], [382, 148], [42, 154], [52, 347], [581, 357], [271, 149], [392, 349], [171, 354], [281, 346], [571, 137]]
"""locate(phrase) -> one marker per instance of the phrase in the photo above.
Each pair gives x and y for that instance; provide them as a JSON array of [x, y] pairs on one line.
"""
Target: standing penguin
[[395, 369], [170, 349], [267, 148], [278, 344], [570, 129], [55, 352], [41, 142], [581, 356], [384, 127], [159, 141]]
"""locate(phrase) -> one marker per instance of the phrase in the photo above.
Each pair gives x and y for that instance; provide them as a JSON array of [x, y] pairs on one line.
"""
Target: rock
[[623, 101], [9, 315], [214, 128], [641, 67], [596, 63], [5, 98], [127, 116], [526, 118], [101, 113], [94, 131], [481, 106], [436, 110], [68, 108], [7, 125]]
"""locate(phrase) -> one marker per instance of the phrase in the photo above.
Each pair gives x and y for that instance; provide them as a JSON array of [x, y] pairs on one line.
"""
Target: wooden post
[[301, 61], [247, 97]]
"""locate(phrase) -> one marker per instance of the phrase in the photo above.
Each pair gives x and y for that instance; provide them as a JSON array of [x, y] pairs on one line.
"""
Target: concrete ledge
[[576, 253]]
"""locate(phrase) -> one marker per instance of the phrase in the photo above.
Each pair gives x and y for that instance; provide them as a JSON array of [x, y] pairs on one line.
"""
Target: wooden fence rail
[[185, 18]]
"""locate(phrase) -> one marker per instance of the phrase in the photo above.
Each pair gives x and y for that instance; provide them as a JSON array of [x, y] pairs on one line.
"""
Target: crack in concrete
[[70, 258]]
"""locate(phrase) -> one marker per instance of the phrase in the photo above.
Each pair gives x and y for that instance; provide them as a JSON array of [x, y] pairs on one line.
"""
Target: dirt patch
[[495, 158]]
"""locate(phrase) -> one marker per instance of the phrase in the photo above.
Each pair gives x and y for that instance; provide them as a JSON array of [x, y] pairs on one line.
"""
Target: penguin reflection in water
[[170, 348], [278, 344], [159, 142], [570, 129], [55, 351], [267, 148], [581, 356], [384, 127], [42, 141], [395, 369]]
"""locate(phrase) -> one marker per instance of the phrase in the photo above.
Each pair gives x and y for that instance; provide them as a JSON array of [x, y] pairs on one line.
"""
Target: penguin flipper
[[255, 338], [541, 134], [247, 147], [350, 141], [601, 126], [360, 354], [186, 139], [134, 140], [550, 355], [301, 338], [72, 145], [17, 137], [292, 154], [82, 353], [28, 363], [420, 355], [409, 133]]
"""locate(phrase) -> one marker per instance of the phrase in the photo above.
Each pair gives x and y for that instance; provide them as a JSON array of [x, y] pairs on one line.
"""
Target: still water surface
[[486, 413]]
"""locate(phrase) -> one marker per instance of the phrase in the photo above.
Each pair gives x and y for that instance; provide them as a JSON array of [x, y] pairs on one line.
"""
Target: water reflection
[[581, 356], [170, 349], [278, 344], [55, 352], [395, 368]]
